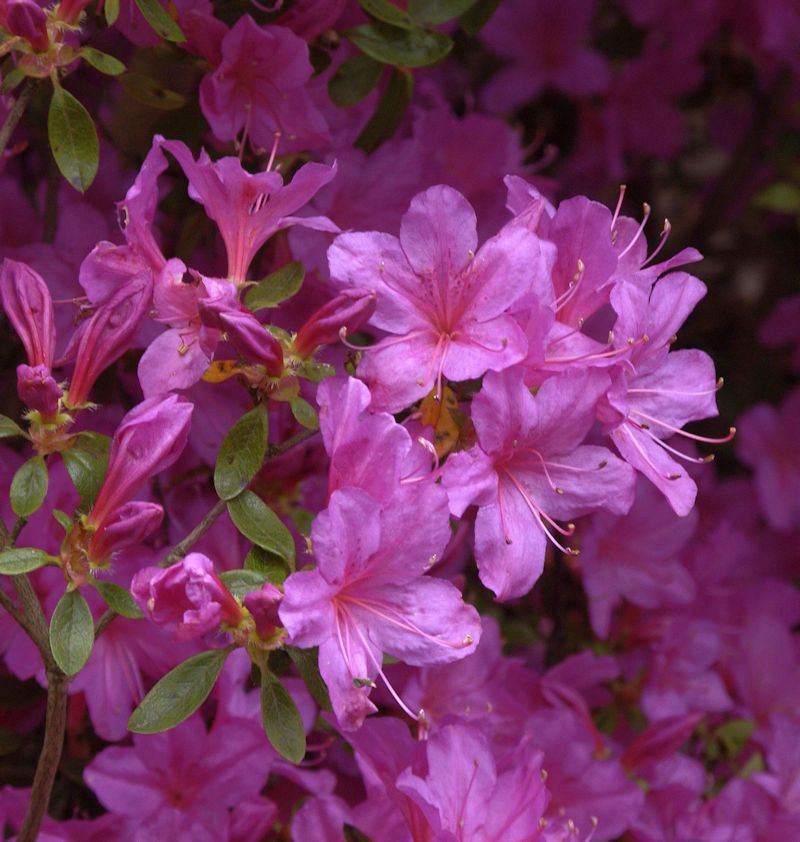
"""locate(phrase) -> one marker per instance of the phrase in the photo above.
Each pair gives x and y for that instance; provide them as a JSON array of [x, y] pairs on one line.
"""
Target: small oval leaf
[[178, 694], [307, 663], [478, 16], [354, 79], [71, 632], [23, 560], [29, 487], [73, 139], [275, 288], [86, 464], [282, 722], [395, 46], [272, 567], [242, 582], [256, 521], [241, 453], [434, 12], [304, 413], [389, 113], [117, 599], [9, 428], [111, 11], [161, 23], [102, 61], [387, 12]]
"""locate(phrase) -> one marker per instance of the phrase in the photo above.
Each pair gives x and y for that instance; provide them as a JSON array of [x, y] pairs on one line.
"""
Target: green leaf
[[256, 521], [162, 24], [354, 79], [272, 567], [387, 12], [304, 413], [12, 79], [281, 719], [23, 560], [241, 453], [307, 663], [782, 197], [178, 694], [478, 16], [111, 11], [73, 139], [434, 12], [9, 428], [71, 632], [275, 288], [63, 519], [150, 92], [117, 599], [86, 463], [389, 113], [242, 582], [102, 61], [395, 46], [29, 487]]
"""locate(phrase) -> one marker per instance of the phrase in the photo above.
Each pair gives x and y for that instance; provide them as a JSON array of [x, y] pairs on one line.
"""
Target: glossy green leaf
[[241, 453], [117, 599], [87, 464], [178, 694], [71, 632], [307, 663], [478, 16], [387, 12], [256, 521], [272, 567], [434, 12], [281, 719], [242, 582], [29, 487], [9, 428], [275, 288], [73, 139], [402, 47], [102, 61], [111, 11], [23, 560], [389, 113], [64, 520], [162, 24], [150, 92], [354, 79], [304, 413]]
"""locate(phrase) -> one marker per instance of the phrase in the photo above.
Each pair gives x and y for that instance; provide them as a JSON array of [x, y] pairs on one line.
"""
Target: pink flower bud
[[107, 336], [38, 390], [129, 524], [29, 307], [26, 19], [252, 341], [187, 598], [263, 605], [350, 310], [149, 439]]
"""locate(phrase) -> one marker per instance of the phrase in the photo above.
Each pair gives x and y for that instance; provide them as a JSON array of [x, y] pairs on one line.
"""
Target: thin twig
[[35, 624], [17, 110]]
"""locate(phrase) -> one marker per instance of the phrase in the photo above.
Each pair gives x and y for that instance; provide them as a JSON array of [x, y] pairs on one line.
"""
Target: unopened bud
[[350, 310], [29, 307], [38, 390], [130, 524], [27, 20], [252, 341]]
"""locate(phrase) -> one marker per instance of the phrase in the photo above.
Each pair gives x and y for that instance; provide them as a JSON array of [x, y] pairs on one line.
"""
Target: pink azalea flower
[[368, 594], [260, 87], [29, 307], [248, 208], [445, 304], [530, 470]]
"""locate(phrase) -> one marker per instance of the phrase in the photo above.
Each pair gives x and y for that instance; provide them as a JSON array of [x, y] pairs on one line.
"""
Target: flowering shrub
[[351, 485]]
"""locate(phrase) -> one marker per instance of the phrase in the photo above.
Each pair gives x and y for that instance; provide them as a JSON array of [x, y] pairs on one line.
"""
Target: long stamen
[[384, 343], [539, 514], [539, 456], [274, 151], [571, 289], [638, 233], [665, 232], [696, 460], [647, 459], [618, 208], [678, 431]]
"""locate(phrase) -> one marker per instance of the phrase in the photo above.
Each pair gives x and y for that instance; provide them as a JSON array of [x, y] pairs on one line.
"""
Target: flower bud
[[38, 390], [129, 524], [70, 10], [107, 336], [27, 20], [29, 307], [187, 598], [149, 439], [252, 341], [350, 310], [263, 605]]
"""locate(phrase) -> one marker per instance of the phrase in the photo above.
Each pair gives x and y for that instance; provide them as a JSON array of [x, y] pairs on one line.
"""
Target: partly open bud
[[252, 341], [130, 524], [188, 598], [29, 307], [38, 390], [27, 20], [263, 604], [349, 310], [107, 336]]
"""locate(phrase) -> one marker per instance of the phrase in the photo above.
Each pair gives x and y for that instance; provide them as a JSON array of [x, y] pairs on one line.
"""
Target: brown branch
[[17, 110]]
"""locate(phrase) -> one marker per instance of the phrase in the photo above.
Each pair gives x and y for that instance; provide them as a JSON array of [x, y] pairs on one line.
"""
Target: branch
[[17, 110]]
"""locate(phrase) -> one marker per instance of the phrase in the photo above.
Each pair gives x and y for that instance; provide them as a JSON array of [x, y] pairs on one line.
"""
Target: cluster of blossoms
[[355, 492]]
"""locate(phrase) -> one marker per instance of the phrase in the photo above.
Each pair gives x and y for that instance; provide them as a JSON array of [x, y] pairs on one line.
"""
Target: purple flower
[[29, 307], [188, 598], [531, 470], [368, 594], [38, 390], [444, 303]]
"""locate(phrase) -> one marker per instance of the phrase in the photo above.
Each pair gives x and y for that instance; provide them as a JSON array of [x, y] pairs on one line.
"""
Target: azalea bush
[[351, 481]]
